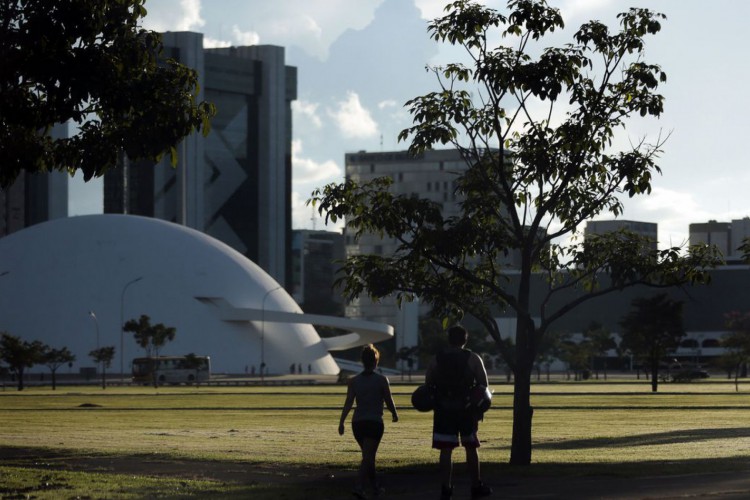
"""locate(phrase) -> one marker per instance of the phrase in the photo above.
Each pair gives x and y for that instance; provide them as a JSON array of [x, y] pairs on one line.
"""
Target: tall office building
[[432, 176], [316, 259], [727, 236], [35, 197], [234, 184], [646, 229], [712, 233]]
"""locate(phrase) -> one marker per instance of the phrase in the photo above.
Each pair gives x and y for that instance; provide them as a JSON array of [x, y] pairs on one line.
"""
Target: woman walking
[[369, 390]]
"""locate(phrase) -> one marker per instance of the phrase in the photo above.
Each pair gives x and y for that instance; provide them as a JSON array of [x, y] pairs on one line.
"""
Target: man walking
[[453, 372]]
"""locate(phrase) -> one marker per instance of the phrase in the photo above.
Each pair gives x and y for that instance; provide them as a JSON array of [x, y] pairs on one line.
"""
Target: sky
[[360, 61]]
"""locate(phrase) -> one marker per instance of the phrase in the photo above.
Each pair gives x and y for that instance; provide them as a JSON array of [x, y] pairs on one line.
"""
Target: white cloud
[[174, 15], [306, 170], [213, 43], [306, 216], [307, 110], [245, 37], [352, 119], [388, 103]]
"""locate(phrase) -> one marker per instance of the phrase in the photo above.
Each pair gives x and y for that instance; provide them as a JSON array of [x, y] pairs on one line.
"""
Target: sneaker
[[446, 492], [480, 490]]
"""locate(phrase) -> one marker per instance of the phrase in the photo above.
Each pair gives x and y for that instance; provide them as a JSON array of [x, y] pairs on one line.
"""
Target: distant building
[[34, 197], [316, 259], [712, 233], [646, 229], [234, 184], [432, 176]]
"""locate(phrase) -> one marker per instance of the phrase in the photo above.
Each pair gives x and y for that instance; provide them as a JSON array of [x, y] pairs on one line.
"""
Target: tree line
[[20, 355]]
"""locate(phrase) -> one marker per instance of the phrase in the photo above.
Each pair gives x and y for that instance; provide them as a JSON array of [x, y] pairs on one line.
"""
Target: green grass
[[579, 428]]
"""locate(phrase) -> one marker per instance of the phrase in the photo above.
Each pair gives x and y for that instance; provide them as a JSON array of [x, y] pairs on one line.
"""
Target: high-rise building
[[712, 233], [645, 229], [234, 184], [432, 176], [727, 236], [316, 260], [35, 197]]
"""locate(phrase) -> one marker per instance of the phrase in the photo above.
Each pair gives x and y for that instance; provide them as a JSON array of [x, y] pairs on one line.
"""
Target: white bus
[[171, 370]]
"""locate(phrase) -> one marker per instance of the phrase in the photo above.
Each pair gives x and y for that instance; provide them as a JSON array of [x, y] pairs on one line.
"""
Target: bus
[[171, 370]]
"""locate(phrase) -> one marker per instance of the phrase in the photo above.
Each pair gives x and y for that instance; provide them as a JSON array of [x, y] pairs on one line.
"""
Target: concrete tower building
[[646, 229], [35, 197], [712, 233], [431, 176], [234, 184]]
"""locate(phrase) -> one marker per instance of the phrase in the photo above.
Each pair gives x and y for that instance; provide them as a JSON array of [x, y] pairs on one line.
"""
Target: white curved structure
[[54, 274]]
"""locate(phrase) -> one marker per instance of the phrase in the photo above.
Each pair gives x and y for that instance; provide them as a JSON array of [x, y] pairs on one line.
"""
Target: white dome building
[[73, 282]]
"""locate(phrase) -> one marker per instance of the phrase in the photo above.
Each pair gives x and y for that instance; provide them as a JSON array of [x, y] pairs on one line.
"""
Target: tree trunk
[[104, 378], [520, 450], [654, 375], [54, 380], [19, 373]]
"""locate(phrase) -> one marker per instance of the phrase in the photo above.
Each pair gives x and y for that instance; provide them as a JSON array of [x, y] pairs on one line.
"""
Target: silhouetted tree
[[651, 330], [150, 337], [601, 341], [103, 356], [89, 62], [19, 354], [54, 359], [737, 342], [532, 178]]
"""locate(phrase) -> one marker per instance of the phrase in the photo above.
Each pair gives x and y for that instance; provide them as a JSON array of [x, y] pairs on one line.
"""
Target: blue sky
[[359, 61]]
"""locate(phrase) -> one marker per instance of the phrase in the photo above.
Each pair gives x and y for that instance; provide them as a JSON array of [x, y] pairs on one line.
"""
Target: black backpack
[[454, 379]]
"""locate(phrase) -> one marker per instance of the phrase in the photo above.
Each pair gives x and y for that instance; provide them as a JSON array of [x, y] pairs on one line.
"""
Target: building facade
[[431, 176], [316, 259], [35, 197], [234, 184], [646, 229], [727, 236]]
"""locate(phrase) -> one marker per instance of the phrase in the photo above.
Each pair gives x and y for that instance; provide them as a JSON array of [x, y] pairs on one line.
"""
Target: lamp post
[[122, 324], [96, 322], [263, 332]]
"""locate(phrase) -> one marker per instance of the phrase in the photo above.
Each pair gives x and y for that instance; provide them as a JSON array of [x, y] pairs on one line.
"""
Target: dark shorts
[[367, 429], [449, 425]]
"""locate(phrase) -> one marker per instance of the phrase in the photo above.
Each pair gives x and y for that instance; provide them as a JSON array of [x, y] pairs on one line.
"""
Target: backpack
[[454, 380]]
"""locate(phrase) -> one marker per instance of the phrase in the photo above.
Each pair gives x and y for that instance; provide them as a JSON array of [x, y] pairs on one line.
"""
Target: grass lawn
[[579, 428]]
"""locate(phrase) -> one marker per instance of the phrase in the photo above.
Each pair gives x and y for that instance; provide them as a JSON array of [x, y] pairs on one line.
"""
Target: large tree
[[537, 129], [19, 354], [88, 62]]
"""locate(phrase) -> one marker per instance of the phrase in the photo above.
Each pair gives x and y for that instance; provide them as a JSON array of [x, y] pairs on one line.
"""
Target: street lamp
[[122, 324], [263, 331], [96, 322]]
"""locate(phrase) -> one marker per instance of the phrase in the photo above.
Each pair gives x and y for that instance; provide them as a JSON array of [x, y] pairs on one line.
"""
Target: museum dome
[[55, 274]]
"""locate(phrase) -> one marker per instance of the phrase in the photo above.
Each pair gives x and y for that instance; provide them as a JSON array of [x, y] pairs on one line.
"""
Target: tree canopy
[[54, 359], [19, 354], [89, 62], [540, 131]]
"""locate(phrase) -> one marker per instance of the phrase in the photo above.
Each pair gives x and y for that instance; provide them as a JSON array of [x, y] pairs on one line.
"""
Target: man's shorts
[[367, 429], [448, 426]]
